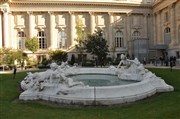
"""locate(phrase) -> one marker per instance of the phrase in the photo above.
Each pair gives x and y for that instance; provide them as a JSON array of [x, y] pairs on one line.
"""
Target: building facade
[[139, 28], [166, 18]]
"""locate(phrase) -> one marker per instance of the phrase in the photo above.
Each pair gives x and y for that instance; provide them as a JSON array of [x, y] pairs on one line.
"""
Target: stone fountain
[[57, 85]]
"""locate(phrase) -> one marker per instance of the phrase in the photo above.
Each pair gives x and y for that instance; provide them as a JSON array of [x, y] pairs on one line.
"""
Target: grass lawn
[[161, 106]]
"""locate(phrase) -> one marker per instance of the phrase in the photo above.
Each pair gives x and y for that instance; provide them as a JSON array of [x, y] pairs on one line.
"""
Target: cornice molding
[[3, 1], [164, 4], [29, 12], [79, 3], [157, 2]]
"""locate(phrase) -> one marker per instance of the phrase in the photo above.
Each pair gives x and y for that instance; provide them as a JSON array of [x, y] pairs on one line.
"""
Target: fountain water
[[69, 85]]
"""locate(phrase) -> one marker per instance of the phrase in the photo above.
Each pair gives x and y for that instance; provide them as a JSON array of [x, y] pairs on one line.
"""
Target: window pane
[[61, 39], [42, 39], [39, 34], [118, 39], [136, 35], [21, 40], [42, 34]]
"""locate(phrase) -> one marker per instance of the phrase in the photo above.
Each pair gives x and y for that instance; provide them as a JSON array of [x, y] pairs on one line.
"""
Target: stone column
[[0, 30], [30, 23], [111, 30], [128, 34], [145, 25], [51, 26], [159, 28], [128, 27], [72, 27], [173, 26], [155, 28], [6, 26], [92, 22]]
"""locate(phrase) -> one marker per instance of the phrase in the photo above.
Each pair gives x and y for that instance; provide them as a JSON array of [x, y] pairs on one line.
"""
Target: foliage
[[8, 56], [81, 35], [113, 49], [80, 30], [58, 56], [4, 52], [45, 61], [72, 59], [161, 106], [32, 44], [88, 63], [32, 63], [42, 60], [97, 45]]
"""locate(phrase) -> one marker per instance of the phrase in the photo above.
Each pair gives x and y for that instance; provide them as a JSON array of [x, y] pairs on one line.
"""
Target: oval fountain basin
[[101, 87], [94, 80]]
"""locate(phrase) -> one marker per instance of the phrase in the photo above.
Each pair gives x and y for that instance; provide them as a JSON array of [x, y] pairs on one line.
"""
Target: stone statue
[[52, 77], [130, 69]]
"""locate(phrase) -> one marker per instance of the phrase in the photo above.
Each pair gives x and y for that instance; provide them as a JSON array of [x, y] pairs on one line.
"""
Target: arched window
[[167, 36], [61, 39], [135, 35], [179, 34], [167, 30], [42, 40], [21, 36], [119, 39]]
